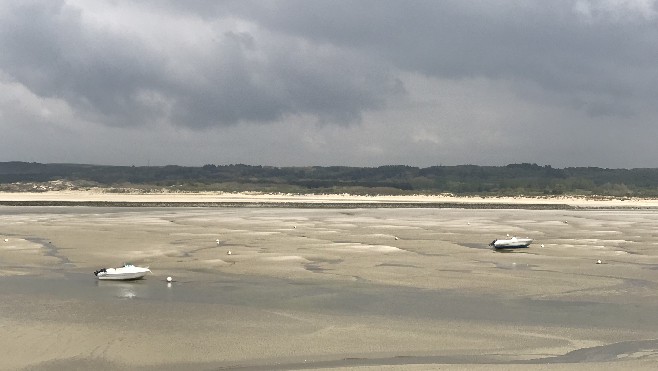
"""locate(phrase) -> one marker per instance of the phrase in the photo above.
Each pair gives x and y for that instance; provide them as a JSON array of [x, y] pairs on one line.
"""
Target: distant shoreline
[[98, 198], [300, 205]]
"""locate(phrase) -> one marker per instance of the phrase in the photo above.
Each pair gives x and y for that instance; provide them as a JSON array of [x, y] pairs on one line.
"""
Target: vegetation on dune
[[511, 180]]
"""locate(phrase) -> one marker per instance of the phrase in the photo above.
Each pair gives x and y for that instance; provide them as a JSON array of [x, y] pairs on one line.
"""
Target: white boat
[[511, 243], [127, 272]]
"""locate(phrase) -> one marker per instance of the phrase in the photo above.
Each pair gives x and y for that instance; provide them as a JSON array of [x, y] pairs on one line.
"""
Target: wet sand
[[340, 288]]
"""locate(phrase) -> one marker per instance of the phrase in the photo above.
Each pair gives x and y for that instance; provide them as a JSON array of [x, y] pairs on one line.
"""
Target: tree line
[[513, 179]]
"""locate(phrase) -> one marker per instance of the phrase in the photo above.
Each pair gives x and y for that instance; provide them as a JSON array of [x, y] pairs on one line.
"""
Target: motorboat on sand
[[127, 272], [511, 243]]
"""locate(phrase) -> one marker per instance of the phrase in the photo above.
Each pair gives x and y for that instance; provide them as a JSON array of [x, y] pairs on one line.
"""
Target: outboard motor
[[99, 271], [493, 243]]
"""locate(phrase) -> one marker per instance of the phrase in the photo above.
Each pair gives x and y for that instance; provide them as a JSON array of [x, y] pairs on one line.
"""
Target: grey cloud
[[105, 75], [328, 59], [428, 82], [547, 43], [291, 79], [48, 49]]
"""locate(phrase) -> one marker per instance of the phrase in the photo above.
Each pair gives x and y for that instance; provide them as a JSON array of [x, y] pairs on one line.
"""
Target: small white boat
[[125, 273], [511, 243]]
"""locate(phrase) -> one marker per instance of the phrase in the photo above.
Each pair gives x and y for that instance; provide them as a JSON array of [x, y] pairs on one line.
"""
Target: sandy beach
[[340, 288], [101, 195]]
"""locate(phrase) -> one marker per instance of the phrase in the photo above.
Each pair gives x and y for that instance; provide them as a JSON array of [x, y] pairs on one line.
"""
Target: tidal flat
[[318, 288]]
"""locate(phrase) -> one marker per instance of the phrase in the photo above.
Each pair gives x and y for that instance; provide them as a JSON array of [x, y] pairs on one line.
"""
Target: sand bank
[[356, 288], [319, 199]]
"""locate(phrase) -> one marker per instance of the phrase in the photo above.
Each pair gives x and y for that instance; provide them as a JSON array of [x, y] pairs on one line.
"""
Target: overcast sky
[[351, 82]]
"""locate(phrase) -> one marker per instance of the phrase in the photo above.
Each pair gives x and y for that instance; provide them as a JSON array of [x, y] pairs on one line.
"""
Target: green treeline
[[514, 179]]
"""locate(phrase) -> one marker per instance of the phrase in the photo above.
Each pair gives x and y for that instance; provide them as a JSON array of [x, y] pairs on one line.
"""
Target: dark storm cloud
[[121, 79], [330, 84], [595, 56], [601, 61], [418, 82], [328, 59], [47, 48]]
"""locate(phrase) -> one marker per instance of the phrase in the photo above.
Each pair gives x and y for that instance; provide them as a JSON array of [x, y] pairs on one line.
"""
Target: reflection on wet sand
[[125, 290]]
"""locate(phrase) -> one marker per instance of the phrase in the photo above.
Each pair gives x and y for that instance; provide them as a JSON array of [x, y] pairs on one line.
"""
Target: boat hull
[[511, 246], [126, 273], [513, 243], [122, 276]]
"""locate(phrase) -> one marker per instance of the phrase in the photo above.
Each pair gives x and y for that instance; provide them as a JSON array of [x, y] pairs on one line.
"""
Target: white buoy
[[294, 227], [542, 245], [217, 240], [169, 279], [396, 238], [598, 261], [508, 235], [6, 239], [228, 252]]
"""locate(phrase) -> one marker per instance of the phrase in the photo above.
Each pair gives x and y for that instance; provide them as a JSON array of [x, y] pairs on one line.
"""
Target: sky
[[330, 83]]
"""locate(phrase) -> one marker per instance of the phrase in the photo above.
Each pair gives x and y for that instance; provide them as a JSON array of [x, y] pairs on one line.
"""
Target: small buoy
[[542, 245], [169, 279], [6, 239], [566, 222], [508, 235], [217, 240], [228, 252], [396, 238], [469, 223], [598, 261]]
